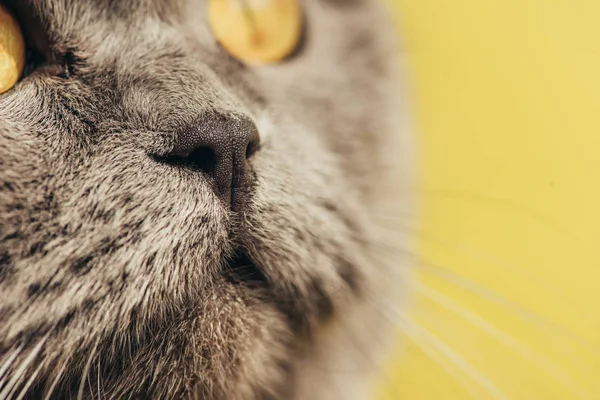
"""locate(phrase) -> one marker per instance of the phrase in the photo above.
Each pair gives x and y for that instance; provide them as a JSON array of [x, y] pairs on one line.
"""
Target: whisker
[[497, 299], [431, 352], [86, 370], [399, 320], [55, 381], [415, 331], [99, 381], [486, 257], [20, 372], [6, 365], [440, 352], [548, 288], [29, 382], [520, 348], [495, 261], [547, 219], [421, 264], [491, 201]]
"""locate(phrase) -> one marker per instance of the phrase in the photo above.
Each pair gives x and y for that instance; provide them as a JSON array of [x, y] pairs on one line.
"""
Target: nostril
[[203, 159], [252, 148]]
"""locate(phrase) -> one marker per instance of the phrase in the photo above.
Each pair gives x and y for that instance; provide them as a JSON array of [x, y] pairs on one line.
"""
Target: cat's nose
[[220, 146]]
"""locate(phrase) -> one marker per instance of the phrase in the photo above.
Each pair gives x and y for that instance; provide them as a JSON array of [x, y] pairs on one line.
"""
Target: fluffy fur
[[123, 275]]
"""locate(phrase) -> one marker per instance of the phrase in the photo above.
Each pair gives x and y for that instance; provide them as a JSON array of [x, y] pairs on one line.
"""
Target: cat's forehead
[[76, 17], [54, 12], [89, 23], [102, 31]]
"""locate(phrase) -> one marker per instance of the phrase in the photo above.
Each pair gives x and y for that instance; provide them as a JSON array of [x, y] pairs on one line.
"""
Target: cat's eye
[[257, 31], [12, 50]]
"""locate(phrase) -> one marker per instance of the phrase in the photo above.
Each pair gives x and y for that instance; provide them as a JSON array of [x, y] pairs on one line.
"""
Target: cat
[[175, 223]]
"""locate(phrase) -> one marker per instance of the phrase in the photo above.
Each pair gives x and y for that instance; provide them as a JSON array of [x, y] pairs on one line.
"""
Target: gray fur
[[114, 274]]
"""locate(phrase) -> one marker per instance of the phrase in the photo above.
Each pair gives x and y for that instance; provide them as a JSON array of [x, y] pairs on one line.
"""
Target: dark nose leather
[[220, 145]]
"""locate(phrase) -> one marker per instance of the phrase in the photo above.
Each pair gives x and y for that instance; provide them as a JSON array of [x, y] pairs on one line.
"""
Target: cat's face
[[131, 259]]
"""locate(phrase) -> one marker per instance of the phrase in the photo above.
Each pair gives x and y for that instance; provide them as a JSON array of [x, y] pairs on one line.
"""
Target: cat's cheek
[[304, 229], [265, 123]]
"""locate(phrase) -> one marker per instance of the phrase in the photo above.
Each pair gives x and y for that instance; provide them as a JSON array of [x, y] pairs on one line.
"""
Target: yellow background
[[507, 101]]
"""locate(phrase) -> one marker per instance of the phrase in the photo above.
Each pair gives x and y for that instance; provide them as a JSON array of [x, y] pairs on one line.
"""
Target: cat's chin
[[211, 349]]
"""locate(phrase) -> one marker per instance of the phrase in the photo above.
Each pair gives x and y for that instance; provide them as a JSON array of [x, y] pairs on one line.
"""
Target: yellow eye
[[256, 31], [12, 50]]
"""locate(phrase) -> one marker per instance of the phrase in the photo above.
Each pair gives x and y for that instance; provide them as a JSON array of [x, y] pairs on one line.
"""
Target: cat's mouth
[[242, 270]]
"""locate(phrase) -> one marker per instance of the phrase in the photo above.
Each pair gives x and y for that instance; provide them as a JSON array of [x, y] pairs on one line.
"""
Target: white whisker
[[16, 378], [507, 340], [549, 288], [29, 382], [86, 370], [447, 275], [417, 332], [439, 352], [6, 365], [99, 382], [497, 299], [431, 352], [55, 382]]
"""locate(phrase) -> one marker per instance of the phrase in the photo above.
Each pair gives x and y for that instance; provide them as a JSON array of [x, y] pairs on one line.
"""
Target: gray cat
[[176, 224]]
